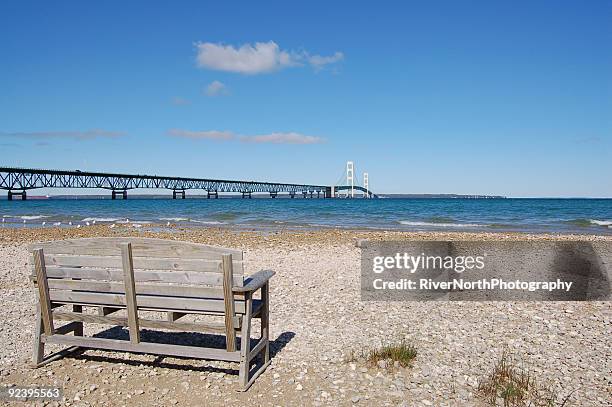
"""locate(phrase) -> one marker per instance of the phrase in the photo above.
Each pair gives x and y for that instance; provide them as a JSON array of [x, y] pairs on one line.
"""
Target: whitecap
[[601, 222], [443, 225], [174, 219], [32, 217], [207, 222], [99, 220]]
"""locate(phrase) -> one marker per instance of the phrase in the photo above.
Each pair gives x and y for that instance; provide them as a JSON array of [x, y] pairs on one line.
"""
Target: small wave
[[445, 225], [579, 222], [207, 222], [100, 219], [33, 217], [607, 223], [146, 222], [227, 215], [174, 219]]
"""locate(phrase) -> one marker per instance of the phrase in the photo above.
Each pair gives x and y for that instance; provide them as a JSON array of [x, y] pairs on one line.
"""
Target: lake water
[[592, 216]]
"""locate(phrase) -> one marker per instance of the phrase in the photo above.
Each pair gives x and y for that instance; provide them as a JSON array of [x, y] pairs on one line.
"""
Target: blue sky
[[491, 97]]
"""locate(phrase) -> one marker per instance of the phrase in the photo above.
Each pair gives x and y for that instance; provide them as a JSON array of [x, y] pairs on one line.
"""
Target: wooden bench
[[139, 274]]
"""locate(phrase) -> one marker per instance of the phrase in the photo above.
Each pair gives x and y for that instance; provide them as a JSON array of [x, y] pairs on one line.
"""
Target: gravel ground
[[317, 320]]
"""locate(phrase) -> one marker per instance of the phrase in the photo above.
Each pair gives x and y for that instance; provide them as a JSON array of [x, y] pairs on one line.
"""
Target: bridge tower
[[350, 178], [366, 185]]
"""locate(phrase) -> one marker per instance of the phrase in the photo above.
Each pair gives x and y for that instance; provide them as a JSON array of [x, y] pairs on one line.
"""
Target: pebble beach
[[318, 324]]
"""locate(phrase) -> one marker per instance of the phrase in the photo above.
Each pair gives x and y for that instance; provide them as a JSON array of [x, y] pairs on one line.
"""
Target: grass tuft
[[403, 353], [512, 385]]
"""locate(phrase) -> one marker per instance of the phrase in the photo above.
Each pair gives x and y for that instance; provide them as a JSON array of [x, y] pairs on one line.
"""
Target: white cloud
[[271, 138], [262, 57], [318, 62], [216, 88], [282, 138], [78, 135], [209, 134]]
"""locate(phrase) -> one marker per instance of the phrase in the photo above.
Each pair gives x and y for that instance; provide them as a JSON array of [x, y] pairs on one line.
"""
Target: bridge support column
[[311, 194], [329, 192], [246, 194], [292, 194], [305, 193], [273, 194], [16, 193], [175, 193], [122, 193], [214, 193], [318, 194]]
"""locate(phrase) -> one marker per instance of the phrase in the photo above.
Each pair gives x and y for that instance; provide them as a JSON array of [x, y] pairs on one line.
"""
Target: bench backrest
[[167, 274]]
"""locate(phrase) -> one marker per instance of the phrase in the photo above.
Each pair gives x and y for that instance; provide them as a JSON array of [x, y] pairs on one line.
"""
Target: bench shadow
[[175, 338]]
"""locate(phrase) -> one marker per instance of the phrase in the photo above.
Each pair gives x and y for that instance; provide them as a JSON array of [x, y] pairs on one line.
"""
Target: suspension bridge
[[17, 181]]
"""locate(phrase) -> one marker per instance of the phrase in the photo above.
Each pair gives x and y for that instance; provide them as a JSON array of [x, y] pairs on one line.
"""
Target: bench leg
[[245, 343], [39, 345], [265, 321]]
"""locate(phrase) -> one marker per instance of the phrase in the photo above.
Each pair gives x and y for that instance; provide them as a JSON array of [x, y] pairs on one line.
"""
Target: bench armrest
[[255, 281]]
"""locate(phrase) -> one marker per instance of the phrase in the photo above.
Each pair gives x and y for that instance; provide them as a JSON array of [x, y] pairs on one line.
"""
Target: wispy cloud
[[282, 138], [77, 135], [207, 135], [319, 62], [216, 88], [271, 138], [179, 101], [261, 57], [588, 140]]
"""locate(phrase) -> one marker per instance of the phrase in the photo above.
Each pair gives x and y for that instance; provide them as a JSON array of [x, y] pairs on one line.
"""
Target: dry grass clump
[[511, 384], [400, 354]]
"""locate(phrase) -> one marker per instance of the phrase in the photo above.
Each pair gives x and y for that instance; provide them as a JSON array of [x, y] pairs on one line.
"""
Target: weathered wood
[[38, 353], [141, 247], [245, 344], [43, 291], [265, 319], [229, 306], [258, 348], [140, 263], [179, 277], [142, 289], [143, 301], [136, 274], [144, 323], [144, 347], [130, 292], [255, 281]]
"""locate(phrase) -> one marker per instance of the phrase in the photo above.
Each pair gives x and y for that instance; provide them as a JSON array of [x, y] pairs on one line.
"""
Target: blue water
[[592, 216]]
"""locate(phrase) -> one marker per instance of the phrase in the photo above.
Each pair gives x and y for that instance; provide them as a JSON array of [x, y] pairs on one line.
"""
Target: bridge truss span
[[18, 180]]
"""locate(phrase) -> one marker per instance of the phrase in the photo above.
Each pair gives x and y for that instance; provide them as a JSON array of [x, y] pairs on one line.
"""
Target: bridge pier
[[15, 193], [246, 194], [305, 193], [174, 193], [318, 194], [214, 193], [273, 194], [122, 193], [292, 194]]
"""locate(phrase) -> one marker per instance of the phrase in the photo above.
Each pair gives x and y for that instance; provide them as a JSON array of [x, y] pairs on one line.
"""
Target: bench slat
[[182, 277], [141, 247], [147, 289], [146, 263], [174, 303], [146, 323]]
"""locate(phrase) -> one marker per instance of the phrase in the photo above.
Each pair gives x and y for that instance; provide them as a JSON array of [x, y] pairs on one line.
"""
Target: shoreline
[[228, 236]]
